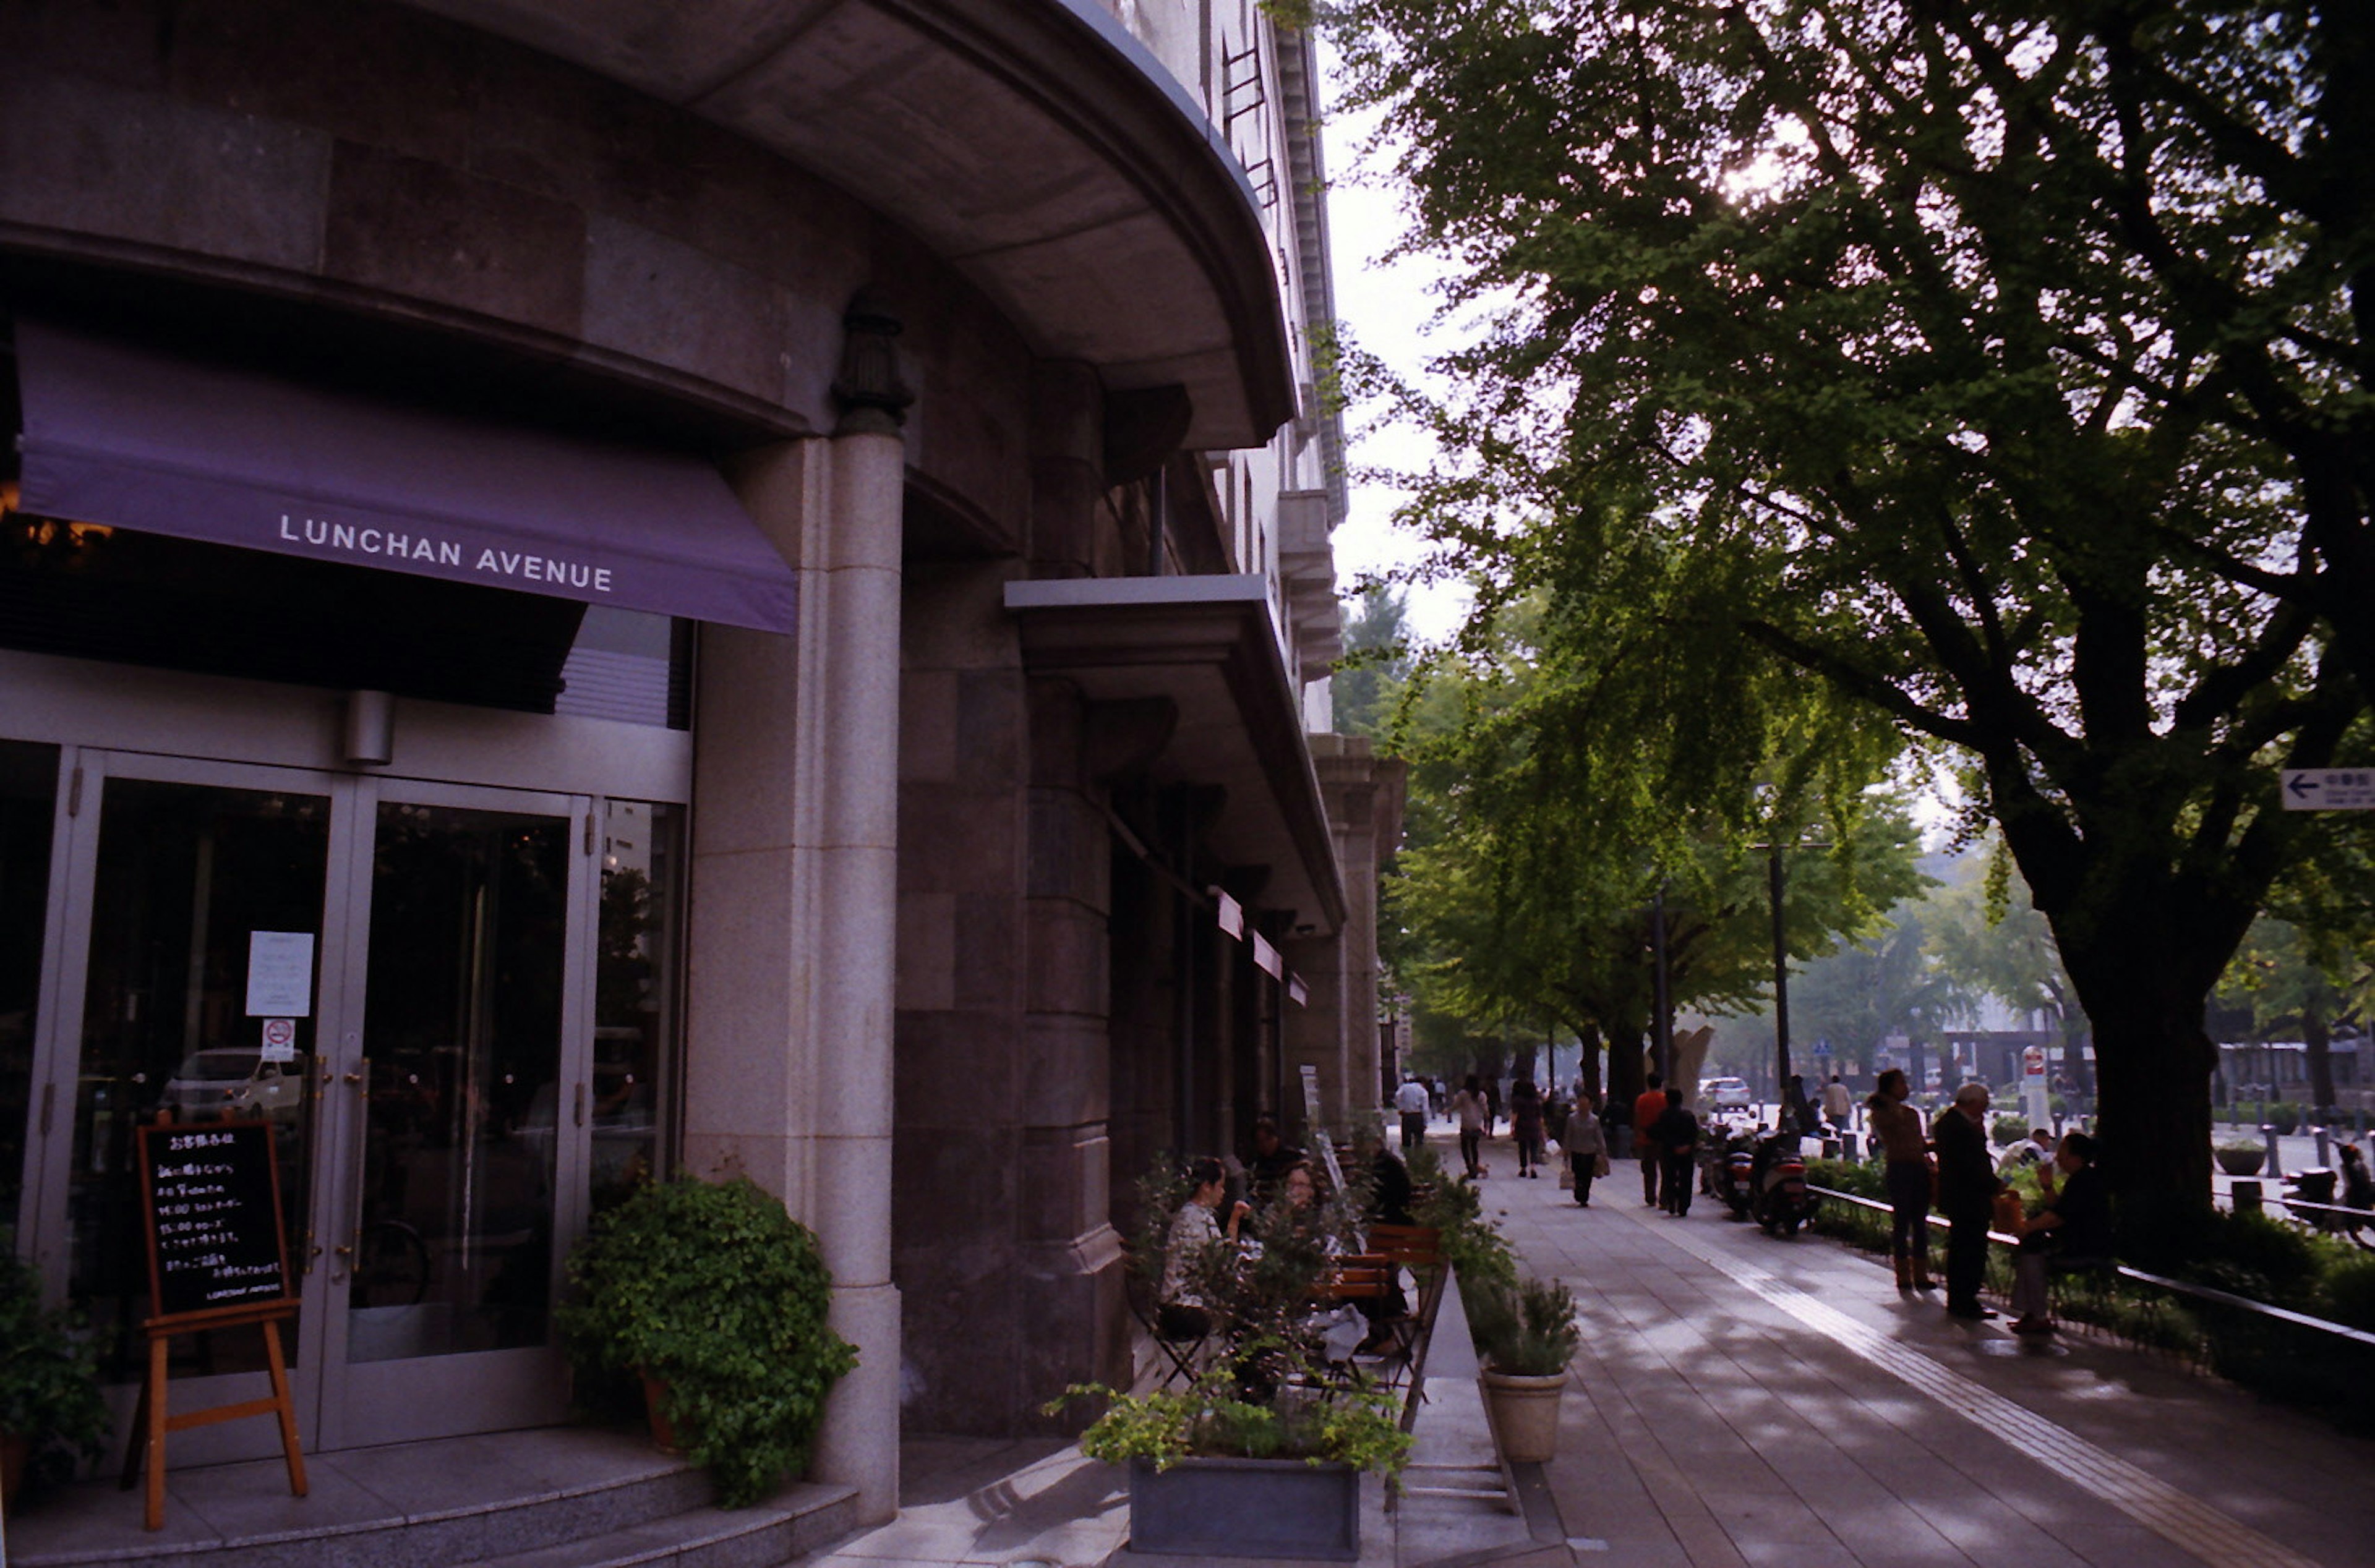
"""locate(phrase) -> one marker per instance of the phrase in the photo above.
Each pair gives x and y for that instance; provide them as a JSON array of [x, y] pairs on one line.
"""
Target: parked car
[[234, 1077], [1724, 1093]]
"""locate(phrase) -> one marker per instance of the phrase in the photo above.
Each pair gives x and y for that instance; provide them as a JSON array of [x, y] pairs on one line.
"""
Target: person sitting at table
[[1181, 1312], [1272, 1156], [2071, 1229]]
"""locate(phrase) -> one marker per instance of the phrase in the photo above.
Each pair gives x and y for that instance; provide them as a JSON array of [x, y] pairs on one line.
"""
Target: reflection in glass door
[[469, 913], [189, 879]]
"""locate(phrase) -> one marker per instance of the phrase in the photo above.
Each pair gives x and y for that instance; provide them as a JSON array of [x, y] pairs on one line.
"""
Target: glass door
[[462, 1109], [434, 951], [198, 895]]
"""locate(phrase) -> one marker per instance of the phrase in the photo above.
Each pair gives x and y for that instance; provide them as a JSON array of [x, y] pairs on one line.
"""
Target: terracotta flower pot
[[664, 1433], [14, 1452], [1525, 1413]]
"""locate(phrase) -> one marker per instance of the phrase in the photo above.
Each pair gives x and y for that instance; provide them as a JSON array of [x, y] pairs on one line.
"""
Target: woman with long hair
[[1906, 1147]]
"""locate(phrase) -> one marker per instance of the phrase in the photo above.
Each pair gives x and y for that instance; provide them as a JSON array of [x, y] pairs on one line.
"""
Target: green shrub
[[2008, 1130], [1356, 1424], [1865, 1178], [1527, 1328], [712, 1289], [2349, 1289], [49, 1376], [2278, 1262]]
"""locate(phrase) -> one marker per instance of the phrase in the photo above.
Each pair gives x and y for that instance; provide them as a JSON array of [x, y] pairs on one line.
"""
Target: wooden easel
[[152, 1419]]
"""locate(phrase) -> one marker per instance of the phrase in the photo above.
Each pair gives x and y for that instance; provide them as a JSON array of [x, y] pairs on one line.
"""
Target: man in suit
[[1966, 1191]]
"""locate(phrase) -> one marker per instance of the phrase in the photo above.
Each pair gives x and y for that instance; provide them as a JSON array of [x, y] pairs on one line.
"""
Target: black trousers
[[1678, 1182], [1583, 1165], [1966, 1256], [1649, 1163], [1908, 1204]]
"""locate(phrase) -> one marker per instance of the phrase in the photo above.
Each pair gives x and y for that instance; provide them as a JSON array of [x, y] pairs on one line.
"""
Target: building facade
[[598, 589]]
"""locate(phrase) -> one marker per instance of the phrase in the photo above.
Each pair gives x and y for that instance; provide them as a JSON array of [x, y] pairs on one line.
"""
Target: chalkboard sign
[[211, 1193]]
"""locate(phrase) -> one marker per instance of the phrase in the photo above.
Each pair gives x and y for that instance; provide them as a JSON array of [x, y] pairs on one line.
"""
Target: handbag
[[1567, 1176], [1600, 1163]]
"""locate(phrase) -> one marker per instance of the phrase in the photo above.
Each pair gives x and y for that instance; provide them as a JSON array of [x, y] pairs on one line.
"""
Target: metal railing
[[2162, 1282]]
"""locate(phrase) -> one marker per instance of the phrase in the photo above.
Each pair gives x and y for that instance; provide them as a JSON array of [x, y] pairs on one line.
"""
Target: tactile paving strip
[[2186, 1522]]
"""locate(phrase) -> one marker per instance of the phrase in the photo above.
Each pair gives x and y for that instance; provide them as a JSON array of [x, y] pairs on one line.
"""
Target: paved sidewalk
[[1751, 1400], [1742, 1401], [1041, 1505]]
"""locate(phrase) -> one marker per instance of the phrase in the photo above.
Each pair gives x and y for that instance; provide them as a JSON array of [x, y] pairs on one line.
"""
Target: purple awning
[[136, 439]]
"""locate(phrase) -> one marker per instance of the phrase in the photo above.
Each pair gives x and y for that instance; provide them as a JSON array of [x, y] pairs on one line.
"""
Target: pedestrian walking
[[1906, 1147], [1647, 1106], [1966, 1192], [1838, 1105], [1411, 1101], [1677, 1134], [1468, 1104], [1555, 1117], [1525, 1122], [1587, 1148]]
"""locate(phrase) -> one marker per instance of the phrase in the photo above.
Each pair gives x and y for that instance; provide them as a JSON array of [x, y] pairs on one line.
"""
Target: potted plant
[[1527, 1334], [1215, 1473], [51, 1412], [2238, 1157], [715, 1299]]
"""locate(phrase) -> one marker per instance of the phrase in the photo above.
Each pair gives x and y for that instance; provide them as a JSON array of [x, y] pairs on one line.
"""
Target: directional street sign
[[2328, 789]]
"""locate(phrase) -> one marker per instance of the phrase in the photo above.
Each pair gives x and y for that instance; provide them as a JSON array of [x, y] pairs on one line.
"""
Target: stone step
[[497, 1497], [798, 1521]]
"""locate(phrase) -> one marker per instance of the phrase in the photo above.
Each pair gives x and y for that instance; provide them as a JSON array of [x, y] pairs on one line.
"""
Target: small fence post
[[2325, 1151], [2243, 1195], [2275, 1159]]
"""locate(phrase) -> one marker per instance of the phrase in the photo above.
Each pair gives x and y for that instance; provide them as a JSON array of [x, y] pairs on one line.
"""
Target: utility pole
[[1663, 1039], [1780, 980]]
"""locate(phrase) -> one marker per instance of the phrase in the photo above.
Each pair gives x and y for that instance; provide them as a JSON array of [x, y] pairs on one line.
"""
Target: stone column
[[793, 912]]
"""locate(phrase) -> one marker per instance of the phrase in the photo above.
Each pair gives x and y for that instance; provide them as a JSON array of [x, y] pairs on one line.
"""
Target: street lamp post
[[1780, 980], [1664, 1040]]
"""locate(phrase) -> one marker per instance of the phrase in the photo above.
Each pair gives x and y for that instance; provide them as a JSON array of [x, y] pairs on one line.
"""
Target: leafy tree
[[1545, 836], [1991, 941], [1368, 682], [1887, 983], [2001, 369]]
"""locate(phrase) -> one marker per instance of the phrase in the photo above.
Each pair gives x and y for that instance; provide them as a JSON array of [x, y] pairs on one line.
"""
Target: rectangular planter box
[[1246, 1508]]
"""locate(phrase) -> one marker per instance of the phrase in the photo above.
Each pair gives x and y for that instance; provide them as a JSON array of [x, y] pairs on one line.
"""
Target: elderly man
[[1966, 1191]]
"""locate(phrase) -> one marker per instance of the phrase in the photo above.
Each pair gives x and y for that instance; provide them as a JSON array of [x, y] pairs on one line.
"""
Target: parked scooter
[[1732, 1176], [1779, 1200]]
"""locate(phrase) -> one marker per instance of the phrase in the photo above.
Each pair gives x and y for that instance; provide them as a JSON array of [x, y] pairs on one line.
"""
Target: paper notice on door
[[280, 974]]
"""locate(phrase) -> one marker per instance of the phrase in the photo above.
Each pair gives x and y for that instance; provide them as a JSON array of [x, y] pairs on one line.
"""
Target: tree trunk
[[1588, 1038], [1624, 1066], [2153, 1060], [2317, 1043]]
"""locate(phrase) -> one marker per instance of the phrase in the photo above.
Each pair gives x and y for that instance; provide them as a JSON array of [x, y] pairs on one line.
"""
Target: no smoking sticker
[[280, 1040]]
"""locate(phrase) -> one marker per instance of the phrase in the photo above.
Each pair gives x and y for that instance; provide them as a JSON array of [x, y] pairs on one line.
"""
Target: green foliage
[[1474, 1247], [2348, 1291], [1323, 1422], [2008, 1129], [49, 1374], [1864, 1178], [1993, 372], [712, 1289], [1527, 1329]]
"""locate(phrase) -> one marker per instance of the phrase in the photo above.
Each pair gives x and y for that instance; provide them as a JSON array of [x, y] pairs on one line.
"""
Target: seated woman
[[2072, 1227], [1180, 1311]]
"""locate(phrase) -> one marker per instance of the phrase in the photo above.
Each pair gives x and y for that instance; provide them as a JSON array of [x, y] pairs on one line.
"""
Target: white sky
[[1387, 308]]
